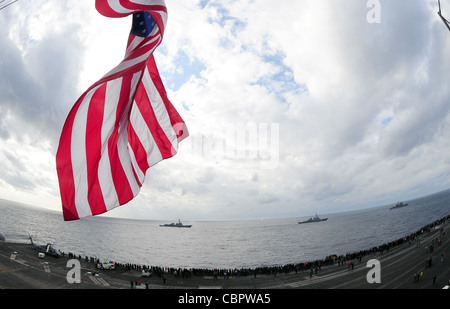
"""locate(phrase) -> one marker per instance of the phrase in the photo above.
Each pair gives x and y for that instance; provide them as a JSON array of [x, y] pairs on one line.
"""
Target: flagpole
[[8, 4], [446, 22]]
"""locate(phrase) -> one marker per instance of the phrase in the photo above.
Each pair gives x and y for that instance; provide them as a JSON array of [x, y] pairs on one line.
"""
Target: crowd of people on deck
[[311, 266]]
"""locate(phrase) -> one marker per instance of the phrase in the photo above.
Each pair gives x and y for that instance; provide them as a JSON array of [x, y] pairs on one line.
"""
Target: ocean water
[[230, 244]]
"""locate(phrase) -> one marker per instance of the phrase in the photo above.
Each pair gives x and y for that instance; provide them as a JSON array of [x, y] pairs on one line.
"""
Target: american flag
[[122, 125]]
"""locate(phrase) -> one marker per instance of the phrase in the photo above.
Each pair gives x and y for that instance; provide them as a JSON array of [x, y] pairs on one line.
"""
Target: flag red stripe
[[175, 117], [94, 145], [145, 107], [138, 149], [64, 166]]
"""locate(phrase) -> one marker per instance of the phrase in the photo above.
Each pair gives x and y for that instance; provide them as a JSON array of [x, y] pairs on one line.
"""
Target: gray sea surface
[[230, 244]]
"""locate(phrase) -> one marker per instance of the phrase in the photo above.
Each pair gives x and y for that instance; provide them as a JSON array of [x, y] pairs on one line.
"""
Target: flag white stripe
[[145, 2], [122, 142], [105, 178], [145, 137], [159, 108], [116, 6], [140, 175], [133, 44], [129, 63]]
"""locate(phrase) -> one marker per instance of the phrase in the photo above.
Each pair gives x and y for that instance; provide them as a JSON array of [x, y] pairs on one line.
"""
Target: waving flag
[[122, 125]]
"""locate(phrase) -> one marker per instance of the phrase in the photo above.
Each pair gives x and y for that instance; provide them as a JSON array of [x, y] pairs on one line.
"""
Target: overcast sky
[[294, 107]]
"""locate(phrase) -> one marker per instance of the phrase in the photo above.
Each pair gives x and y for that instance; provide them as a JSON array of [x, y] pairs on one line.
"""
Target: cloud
[[356, 96], [39, 62], [40, 70]]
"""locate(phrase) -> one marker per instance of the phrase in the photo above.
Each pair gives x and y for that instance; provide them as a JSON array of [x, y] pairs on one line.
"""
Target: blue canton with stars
[[143, 24]]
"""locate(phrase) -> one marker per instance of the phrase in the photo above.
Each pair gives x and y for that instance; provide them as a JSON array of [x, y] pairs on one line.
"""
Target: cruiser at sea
[[399, 205], [178, 224], [313, 220]]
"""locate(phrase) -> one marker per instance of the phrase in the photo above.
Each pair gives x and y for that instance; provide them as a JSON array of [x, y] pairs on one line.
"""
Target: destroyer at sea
[[313, 220], [178, 224], [399, 205]]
